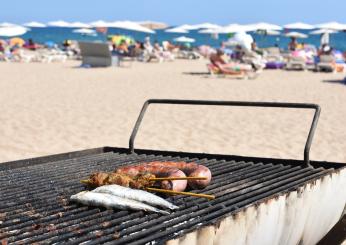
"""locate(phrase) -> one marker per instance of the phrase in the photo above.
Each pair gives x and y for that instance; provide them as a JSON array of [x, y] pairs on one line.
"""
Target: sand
[[55, 108]]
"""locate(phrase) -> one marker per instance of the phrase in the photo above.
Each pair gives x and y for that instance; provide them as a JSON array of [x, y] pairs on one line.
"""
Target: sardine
[[111, 201], [134, 194]]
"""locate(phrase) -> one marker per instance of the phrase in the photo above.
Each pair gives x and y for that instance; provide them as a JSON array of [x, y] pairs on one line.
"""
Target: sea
[[59, 34]]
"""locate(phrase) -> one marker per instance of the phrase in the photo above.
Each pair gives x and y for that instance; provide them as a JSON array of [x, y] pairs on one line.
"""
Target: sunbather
[[227, 67], [292, 46]]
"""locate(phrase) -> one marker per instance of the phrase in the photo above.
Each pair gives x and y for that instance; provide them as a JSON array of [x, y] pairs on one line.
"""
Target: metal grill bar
[[34, 209], [313, 126]]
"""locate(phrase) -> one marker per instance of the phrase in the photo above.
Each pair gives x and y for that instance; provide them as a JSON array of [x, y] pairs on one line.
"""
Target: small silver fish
[[133, 194], [111, 201]]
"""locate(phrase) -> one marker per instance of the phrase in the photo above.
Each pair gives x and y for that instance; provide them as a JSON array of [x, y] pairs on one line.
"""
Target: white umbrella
[[268, 32], [129, 25], [176, 30], [299, 25], [210, 31], [232, 28], [296, 34], [11, 31], [184, 39], [100, 23], [7, 24], [263, 26], [205, 26], [186, 27], [34, 24], [79, 25], [59, 23], [241, 38], [272, 33], [332, 25], [84, 31], [322, 31], [154, 25]]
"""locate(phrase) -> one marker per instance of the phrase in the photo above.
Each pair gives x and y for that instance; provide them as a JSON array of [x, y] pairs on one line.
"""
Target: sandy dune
[[53, 108]]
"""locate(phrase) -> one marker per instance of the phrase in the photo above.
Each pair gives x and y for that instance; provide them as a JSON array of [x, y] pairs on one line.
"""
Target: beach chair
[[96, 54], [296, 63], [241, 74], [252, 58], [273, 58], [326, 63]]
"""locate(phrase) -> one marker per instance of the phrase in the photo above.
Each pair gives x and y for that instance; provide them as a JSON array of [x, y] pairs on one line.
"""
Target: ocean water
[[58, 35]]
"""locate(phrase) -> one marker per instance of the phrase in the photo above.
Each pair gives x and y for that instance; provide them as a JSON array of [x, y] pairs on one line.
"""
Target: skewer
[[210, 197], [178, 178], [85, 181]]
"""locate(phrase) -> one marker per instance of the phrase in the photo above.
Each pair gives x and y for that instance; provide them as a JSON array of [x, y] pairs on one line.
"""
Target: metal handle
[[317, 109]]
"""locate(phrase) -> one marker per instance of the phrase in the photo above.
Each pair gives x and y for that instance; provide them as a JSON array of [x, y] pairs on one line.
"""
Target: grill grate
[[35, 207]]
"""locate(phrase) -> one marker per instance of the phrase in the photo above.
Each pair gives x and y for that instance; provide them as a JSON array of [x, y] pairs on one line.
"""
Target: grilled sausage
[[191, 170], [158, 171]]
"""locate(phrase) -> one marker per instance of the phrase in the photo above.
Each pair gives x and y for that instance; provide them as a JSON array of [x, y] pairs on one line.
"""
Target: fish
[[91, 198], [138, 195]]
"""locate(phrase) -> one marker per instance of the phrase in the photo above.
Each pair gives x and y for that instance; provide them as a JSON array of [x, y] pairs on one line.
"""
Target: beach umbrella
[[205, 26], [34, 24], [296, 34], [210, 31], [176, 30], [79, 25], [59, 23], [241, 38], [12, 31], [100, 23], [186, 27], [268, 32], [322, 31], [324, 34], [16, 41], [299, 25], [117, 39], [84, 31], [332, 25], [262, 26], [232, 28], [184, 39], [132, 26], [7, 24], [153, 25]]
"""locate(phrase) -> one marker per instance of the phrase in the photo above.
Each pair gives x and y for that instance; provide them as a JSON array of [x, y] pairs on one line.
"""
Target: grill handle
[[316, 107]]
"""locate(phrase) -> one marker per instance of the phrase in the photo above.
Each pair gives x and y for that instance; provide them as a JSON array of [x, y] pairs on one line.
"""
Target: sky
[[176, 12]]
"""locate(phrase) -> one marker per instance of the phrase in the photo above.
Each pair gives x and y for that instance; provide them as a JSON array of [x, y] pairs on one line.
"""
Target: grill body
[[258, 201]]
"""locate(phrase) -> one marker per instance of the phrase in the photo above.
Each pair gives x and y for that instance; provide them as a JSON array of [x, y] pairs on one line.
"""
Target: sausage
[[191, 170], [158, 171]]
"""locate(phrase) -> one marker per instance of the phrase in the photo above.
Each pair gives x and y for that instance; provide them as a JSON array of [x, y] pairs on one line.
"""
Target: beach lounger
[[96, 54], [252, 58], [326, 63], [273, 58], [296, 63], [242, 74]]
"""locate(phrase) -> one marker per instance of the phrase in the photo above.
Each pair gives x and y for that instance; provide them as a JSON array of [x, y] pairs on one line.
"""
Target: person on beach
[[123, 48], [255, 48], [31, 45], [2, 49], [292, 46], [147, 45], [217, 59], [325, 50]]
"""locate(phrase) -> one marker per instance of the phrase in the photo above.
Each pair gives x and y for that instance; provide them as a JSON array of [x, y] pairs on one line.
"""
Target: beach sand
[[55, 108]]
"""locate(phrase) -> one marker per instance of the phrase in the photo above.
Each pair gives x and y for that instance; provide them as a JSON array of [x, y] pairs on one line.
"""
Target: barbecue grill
[[258, 200]]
